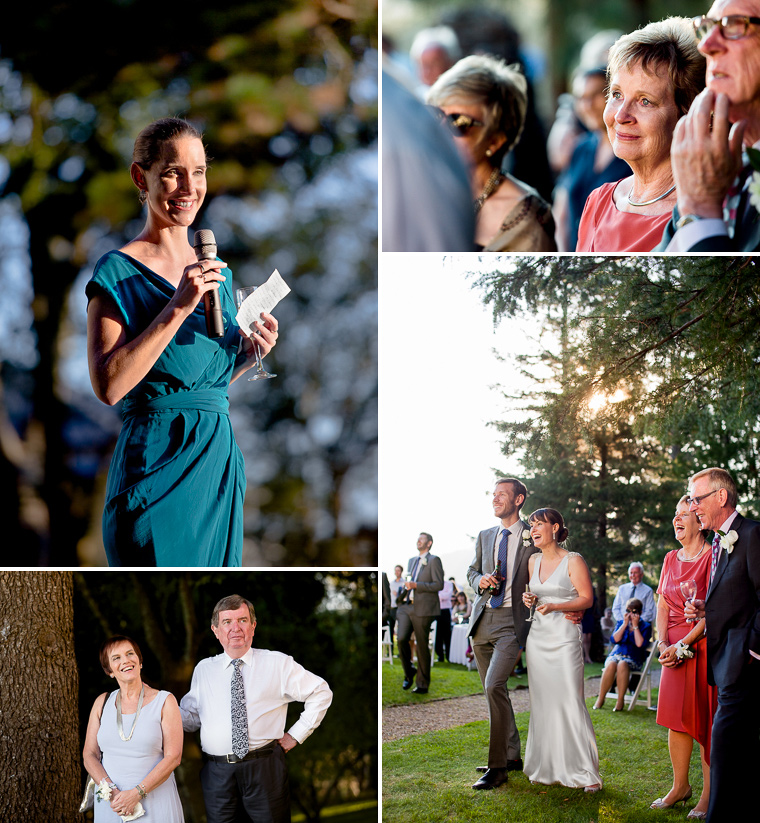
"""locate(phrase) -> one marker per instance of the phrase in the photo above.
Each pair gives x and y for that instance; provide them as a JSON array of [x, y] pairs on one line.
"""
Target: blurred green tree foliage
[[286, 95]]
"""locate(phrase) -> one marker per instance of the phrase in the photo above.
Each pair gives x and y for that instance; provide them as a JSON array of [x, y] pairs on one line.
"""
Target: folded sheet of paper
[[265, 298]]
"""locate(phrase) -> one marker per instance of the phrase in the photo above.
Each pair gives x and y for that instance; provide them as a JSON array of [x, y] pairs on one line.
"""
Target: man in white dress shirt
[[248, 785], [638, 589]]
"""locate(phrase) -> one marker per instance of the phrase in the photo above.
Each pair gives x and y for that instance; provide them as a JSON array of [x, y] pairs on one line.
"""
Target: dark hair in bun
[[555, 518]]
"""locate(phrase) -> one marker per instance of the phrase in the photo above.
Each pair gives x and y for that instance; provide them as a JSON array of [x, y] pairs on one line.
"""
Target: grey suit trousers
[[496, 651]]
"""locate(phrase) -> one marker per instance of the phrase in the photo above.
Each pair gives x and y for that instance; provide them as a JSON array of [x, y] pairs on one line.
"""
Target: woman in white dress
[[561, 745], [134, 742]]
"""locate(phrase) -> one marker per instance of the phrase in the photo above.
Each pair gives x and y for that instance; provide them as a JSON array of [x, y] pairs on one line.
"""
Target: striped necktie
[[715, 553]]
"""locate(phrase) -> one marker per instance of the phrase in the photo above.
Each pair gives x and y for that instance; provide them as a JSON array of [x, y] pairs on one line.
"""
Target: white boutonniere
[[103, 792], [526, 538], [727, 540], [423, 560]]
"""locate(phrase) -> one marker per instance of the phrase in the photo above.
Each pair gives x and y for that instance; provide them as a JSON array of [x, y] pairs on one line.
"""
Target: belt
[[263, 751], [213, 400]]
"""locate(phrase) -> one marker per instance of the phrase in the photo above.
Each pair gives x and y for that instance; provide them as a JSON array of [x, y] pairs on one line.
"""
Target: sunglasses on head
[[459, 124]]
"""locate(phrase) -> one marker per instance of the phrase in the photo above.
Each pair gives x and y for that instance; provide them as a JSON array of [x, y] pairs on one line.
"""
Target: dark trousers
[[443, 635], [255, 790], [735, 749], [407, 623]]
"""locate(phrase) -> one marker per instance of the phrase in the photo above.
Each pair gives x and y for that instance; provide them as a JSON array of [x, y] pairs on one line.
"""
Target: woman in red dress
[[686, 702]]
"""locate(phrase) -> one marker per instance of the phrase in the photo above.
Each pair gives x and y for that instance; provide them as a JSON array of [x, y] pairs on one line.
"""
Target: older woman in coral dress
[[686, 701], [654, 74]]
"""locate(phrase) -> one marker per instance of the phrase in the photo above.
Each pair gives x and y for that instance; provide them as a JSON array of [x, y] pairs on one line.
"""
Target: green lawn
[[428, 778]]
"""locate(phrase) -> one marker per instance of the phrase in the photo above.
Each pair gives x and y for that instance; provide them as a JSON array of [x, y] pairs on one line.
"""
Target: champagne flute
[[689, 591], [261, 373], [532, 617]]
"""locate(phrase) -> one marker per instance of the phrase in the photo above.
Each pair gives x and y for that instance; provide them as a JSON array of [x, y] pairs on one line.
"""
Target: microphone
[[204, 244]]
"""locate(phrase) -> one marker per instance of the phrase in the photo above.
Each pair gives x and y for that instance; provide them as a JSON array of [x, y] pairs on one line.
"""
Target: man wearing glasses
[[712, 177], [732, 612]]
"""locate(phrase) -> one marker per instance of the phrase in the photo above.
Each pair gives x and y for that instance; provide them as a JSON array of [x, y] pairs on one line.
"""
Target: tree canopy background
[[644, 372], [286, 95], [326, 622]]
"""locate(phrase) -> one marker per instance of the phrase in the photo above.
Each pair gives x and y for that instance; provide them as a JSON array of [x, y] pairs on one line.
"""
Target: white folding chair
[[385, 645], [645, 677]]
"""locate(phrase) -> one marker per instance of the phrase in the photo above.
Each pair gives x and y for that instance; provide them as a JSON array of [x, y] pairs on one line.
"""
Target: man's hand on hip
[[287, 742]]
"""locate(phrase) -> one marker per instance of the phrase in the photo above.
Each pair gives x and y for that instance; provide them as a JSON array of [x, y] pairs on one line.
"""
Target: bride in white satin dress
[[561, 745]]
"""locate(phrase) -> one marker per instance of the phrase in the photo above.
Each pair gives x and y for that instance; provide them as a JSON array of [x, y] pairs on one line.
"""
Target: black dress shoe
[[491, 779], [407, 684], [512, 766], [419, 690]]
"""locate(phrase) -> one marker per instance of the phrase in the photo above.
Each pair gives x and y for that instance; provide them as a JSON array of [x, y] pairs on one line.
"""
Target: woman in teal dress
[[176, 482]]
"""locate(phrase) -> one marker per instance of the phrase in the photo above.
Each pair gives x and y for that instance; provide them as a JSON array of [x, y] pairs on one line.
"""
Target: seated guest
[[631, 638], [714, 211], [654, 74], [484, 101], [462, 609]]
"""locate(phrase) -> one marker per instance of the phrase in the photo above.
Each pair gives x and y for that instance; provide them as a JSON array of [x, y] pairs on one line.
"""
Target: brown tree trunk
[[39, 728]]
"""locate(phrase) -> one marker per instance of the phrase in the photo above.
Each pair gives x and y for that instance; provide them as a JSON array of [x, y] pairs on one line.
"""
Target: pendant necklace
[[119, 725], [493, 183], [653, 200]]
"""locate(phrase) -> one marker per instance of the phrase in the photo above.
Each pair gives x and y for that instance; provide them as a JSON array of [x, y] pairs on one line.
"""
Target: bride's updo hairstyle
[[555, 518]]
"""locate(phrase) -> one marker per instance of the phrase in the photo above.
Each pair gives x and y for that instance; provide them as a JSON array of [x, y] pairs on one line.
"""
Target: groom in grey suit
[[498, 628]]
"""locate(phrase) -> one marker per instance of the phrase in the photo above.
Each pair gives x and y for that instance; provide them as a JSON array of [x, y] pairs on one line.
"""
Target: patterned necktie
[[715, 553], [498, 598], [239, 713]]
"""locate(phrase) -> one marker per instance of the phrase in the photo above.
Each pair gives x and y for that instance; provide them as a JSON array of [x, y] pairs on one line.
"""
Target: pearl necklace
[[493, 183], [654, 200], [686, 559]]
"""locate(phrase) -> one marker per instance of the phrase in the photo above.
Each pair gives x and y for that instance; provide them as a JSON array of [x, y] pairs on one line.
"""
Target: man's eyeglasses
[[459, 124], [733, 27], [697, 500]]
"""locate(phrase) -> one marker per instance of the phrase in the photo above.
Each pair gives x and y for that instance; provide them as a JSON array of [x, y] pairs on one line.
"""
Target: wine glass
[[532, 617], [689, 591], [261, 373]]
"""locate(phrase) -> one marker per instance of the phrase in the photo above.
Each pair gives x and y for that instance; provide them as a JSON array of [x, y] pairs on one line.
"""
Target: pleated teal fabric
[[176, 483]]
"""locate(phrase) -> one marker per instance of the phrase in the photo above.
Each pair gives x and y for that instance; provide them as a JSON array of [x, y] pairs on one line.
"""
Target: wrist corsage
[[103, 792], [683, 651]]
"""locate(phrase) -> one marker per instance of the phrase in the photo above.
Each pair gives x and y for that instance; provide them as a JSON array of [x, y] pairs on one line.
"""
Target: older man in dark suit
[[416, 608], [732, 611], [714, 212]]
